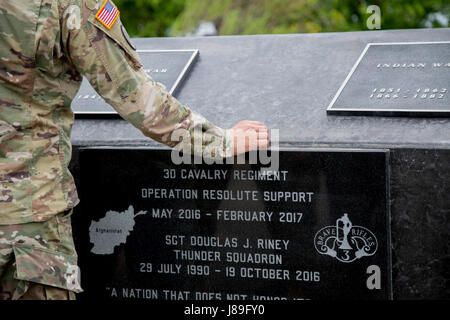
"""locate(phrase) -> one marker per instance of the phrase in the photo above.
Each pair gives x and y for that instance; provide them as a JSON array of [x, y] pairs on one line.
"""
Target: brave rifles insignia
[[345, 242]]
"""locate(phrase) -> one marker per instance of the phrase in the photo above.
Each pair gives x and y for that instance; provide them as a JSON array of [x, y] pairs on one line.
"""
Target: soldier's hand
[[249, 135]]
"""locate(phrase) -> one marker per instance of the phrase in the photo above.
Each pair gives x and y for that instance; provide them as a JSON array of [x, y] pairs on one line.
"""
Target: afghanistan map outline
[[112, 230]]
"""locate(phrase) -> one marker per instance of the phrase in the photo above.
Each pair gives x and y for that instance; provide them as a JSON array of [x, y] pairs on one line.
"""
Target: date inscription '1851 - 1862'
[[397, 79]]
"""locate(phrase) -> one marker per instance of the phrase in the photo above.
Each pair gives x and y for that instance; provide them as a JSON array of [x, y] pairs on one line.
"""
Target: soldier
[[45, 48]]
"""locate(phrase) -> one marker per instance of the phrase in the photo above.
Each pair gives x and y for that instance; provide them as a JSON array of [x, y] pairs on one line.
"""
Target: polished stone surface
[[287, 81], [420, 214], [403, 79], [313, 229]]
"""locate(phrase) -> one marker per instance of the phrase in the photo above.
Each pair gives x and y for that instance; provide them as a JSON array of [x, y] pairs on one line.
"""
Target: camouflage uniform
[[38, 260], [45, 48]]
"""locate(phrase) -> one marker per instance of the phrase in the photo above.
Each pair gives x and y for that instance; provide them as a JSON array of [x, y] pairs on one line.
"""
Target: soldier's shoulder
[[83, 4], [92, 4]]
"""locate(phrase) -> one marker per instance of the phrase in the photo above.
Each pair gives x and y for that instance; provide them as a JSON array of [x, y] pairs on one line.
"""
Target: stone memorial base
[[286, 81]]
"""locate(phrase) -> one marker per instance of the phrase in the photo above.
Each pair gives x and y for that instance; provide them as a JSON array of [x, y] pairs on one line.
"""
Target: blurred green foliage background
[[161, 18]]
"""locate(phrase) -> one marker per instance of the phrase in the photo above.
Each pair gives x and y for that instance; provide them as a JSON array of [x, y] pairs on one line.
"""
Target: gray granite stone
[[286, 81], [420, 223], [404, 79]]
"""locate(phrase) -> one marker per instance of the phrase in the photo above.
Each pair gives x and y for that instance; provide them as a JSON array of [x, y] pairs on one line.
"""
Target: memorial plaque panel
[[316, 228], [169, 67], [397, 79]]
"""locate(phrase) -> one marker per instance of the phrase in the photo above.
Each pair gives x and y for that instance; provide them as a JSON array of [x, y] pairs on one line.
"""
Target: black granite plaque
[[397, 79], [169, 67], [317, 228]]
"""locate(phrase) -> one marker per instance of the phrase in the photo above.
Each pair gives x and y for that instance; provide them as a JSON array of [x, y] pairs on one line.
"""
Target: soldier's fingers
[[251, 139], [263, 138], [258, 142], [263, 144], [257, 130], [263, 135], [258, 127], [252, 122], [261, 128]]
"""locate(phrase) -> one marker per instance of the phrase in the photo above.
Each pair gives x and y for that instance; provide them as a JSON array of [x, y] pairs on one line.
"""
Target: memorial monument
[[358, 207]]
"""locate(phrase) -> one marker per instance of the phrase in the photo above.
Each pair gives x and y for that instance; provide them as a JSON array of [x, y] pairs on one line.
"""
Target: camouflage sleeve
[[106, 58]]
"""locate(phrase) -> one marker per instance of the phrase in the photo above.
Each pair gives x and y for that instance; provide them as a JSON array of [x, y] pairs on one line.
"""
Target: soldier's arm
[[112, 66]]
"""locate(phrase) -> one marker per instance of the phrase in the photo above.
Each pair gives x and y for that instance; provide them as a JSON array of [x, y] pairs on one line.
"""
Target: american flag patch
[[107, 14]]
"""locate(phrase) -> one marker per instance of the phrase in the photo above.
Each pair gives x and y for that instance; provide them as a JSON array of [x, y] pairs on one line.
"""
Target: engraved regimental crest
[[345, 242]]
